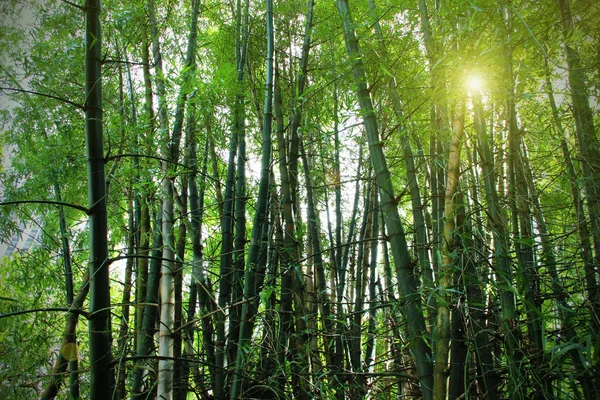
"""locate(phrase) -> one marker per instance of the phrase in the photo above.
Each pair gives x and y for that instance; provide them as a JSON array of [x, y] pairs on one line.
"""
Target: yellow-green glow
[[475, 82]]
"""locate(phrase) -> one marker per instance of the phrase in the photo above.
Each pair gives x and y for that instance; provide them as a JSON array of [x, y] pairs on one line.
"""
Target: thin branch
[[153, 357], [187, 167], [77, 105], [138, 256], [34, 310], [73, 4], [56, 203], [111, 61], [118, 156]]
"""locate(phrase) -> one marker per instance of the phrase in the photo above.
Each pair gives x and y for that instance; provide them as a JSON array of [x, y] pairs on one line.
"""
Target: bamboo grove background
[[300, 199]]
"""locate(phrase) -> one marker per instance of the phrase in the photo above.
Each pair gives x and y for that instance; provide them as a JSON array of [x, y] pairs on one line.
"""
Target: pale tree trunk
[[413, 310], [171, 145], [446, 274], [167, 280]]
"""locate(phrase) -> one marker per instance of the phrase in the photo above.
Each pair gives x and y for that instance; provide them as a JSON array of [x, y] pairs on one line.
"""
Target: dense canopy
[[300, 199]]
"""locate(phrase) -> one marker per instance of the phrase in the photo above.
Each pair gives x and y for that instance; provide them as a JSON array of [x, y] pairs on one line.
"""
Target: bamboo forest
[[299, 199]]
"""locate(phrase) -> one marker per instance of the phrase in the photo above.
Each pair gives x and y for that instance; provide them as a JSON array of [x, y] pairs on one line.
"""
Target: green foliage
[[43, 137], [29, 342]]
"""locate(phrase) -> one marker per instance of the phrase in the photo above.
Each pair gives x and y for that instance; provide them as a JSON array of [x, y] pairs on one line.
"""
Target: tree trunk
[[589, 146], [527, 274], [66, 256], [68, 347], [370, 353], [150, 315], [254, 276], [356, 360], [180, 383], [341, 273], [239, 131], [171, 151], [404, 267], [487, 377], [498, 224], [143, 218], [314, 228], [446, 272], [123, 344], [215, 170], [422, 242], [200, 288], [548, 258], [102, 378], [440, 123]]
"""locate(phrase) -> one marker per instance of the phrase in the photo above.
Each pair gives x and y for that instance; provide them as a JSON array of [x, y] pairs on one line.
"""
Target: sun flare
[[475, 82]]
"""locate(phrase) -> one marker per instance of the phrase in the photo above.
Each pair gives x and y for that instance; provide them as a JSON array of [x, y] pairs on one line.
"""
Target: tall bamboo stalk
[[446, 273], [498, 224], [150, 315], [102, 378], [404, 267], [252, 282]]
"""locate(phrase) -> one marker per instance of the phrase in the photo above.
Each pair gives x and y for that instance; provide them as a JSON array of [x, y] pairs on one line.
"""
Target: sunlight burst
[[475, 83]]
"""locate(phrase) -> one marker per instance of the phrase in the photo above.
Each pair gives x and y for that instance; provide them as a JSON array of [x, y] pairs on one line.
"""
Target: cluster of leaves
[[42, 78]]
